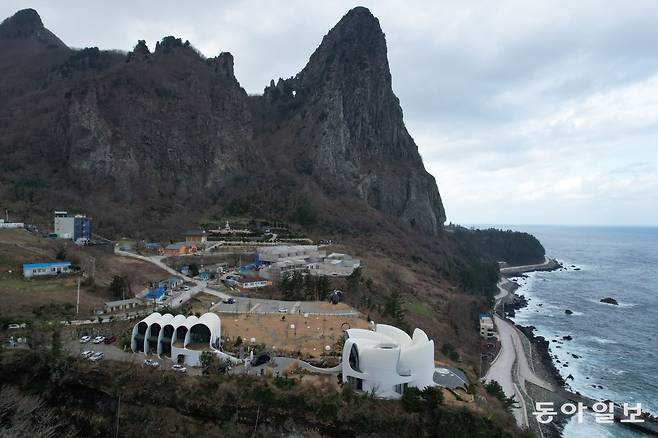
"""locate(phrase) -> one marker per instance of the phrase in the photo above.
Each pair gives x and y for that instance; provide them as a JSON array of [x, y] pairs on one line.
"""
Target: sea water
[[617, 346]]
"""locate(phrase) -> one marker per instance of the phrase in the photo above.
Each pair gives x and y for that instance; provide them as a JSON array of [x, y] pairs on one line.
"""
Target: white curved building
[[387, 360], [180, 338]]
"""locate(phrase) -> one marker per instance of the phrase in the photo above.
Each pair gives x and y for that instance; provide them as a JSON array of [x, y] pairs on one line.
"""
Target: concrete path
[[284, 362]]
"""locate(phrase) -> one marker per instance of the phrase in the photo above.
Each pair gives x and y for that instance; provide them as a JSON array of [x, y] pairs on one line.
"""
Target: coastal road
[[548, 264], [501, 371], [502, 291]]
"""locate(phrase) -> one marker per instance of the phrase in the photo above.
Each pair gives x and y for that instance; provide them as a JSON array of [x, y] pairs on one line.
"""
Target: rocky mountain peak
[[170, 44], [141, 51], [222, 65], [354, 123], [358, 28], [27, 24]]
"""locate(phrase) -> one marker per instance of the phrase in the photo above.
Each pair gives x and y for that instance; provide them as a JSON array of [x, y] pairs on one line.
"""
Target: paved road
[[262, 305], [546, 265], [180, 298], [502, 292], [511, 368]]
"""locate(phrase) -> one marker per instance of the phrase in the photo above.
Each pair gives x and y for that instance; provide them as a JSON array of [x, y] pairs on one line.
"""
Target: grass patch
[[419, 308]]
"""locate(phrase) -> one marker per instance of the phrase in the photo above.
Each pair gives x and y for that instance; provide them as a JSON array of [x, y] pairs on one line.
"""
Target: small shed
[[119, 305]]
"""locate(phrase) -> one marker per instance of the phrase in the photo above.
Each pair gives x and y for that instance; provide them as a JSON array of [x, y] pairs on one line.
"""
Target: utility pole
[[116, 433], [256, 425], [77, 303]]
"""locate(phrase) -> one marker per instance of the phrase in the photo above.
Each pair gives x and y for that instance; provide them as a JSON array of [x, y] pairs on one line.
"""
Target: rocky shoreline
[[543, 361], [549, 364]]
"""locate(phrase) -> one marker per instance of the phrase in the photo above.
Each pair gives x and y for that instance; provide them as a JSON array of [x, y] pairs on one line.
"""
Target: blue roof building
[[155, 294], [44, 269]]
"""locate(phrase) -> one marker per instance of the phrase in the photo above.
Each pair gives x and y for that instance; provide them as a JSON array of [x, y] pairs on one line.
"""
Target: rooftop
[[195, 232], [178, 245], [122, 302], [46, 265]]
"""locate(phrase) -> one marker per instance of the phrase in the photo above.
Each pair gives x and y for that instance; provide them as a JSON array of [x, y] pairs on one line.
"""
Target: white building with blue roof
[[31, 270]]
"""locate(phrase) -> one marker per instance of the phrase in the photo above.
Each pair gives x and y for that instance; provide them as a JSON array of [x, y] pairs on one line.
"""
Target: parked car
[[110, 340], [261, 359], [97, 356], [283, 310], [99, 339], [186, 288], [179, 368], [151, 363], [85, 339], [229, 300], [87, 354]]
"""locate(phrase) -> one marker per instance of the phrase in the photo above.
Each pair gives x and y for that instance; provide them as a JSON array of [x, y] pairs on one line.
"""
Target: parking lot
[[113, 352]]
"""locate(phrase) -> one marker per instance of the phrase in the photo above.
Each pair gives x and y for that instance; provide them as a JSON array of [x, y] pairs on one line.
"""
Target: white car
[[186, 288], [97, 356], [87, 354], [179, 368], [151, 363], [283, 310], [99, 339], [85, 339]]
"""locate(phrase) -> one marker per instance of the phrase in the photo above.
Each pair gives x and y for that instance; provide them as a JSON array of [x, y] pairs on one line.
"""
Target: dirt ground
[[290, 333], [55, 297], [44, 297]]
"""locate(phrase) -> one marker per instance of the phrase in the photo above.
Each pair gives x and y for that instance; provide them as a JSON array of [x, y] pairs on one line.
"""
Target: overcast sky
[[526, 112]]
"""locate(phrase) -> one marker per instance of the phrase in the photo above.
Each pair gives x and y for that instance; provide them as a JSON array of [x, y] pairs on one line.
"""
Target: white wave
[[603, 340]]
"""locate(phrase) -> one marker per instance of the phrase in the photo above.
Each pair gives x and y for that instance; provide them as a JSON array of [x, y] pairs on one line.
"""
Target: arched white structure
[[140, 332], [387, 360], [183, 339], [168, 335]]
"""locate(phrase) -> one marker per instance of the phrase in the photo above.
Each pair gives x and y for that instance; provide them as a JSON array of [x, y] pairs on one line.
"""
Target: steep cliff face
[[167, 124], [349, 125], [139, 131]]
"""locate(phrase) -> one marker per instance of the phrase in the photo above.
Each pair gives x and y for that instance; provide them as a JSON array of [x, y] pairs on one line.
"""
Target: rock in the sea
[[575, 356], [576, 269], [609, 300], [568, 312], [567, 338], [569, 377]]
